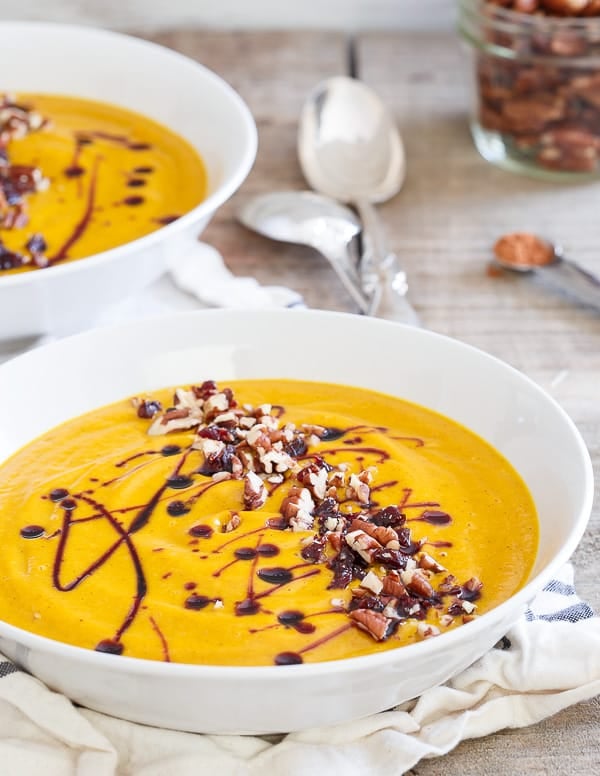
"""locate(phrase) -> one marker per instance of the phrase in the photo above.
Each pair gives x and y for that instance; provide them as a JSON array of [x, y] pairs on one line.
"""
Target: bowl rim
[[374, 661], [204, 208]]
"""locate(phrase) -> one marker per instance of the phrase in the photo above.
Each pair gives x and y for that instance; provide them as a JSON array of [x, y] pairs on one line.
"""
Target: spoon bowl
[[306, 218], [528, 253], [348, 145], [349, 148]]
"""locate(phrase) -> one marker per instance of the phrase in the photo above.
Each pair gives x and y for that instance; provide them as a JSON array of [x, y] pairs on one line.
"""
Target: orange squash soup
[[78, 177], [259, 522]]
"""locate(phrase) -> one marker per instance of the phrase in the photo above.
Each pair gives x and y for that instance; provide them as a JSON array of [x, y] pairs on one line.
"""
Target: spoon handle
[[570, 278], [383, 279], [340, 259]]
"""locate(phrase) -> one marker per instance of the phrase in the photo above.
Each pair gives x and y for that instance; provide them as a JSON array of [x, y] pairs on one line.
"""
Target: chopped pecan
[[215, 404], [427, 631], [255, 493], [234, 522], [386, 536], [359, 489], [430, 564], [392, 584], [363, 544], [372, 582], [172, 420], [376, 624], [298, 508], [314, 477], [335, 540], [417, 583]]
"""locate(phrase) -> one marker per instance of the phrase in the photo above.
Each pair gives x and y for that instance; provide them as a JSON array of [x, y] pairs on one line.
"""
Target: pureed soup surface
[[81, 177], [368, 523]]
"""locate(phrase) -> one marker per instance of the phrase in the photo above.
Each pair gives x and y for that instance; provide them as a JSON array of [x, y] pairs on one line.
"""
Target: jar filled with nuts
[[536, 68]]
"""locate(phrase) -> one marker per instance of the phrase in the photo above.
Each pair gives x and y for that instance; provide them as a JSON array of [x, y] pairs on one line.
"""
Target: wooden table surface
[[442, 225]]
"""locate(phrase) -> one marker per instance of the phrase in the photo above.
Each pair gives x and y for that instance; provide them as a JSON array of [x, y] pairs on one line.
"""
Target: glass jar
[[536, 88]]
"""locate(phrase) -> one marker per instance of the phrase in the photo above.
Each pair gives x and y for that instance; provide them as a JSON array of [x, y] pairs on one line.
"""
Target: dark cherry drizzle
[[162, 639], [276, 577], [177, 509], [166, 220], [83, 223], [32, 531], [133, 201], [201, 531]]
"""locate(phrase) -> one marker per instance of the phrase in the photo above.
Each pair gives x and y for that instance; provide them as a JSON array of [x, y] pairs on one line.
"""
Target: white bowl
[[484, 394], [152, 80]]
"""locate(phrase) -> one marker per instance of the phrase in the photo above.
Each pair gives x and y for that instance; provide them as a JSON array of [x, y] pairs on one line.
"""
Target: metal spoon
[[350, 149], [554, 269], [306, 218]]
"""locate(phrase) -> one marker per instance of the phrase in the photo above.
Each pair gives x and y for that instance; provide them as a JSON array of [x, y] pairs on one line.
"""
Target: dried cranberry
[[218, 433], [329, 507], [36, 244], [296, 447], [407, 546], [394, 559], [218, 462], [315, 551], [148, 408], [208, 388], [342, 567], [390, 517], [372, 602], [10, 260]]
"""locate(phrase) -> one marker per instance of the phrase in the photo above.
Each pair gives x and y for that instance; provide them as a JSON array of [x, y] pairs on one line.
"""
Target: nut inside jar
[[537, 83]]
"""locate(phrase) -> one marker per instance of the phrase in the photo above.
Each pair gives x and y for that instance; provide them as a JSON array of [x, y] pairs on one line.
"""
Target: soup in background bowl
[[522, 430], [79, 177], [150, 84]]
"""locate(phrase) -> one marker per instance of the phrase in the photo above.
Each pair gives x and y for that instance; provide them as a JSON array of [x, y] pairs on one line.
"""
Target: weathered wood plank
[[443, 225]]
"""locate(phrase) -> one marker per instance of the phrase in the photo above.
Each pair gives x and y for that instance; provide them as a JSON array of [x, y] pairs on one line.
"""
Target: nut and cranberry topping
[[17, 182], [369, 550]]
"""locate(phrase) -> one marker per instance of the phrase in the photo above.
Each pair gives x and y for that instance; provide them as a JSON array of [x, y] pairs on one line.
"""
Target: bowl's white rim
[[208, 205], [372, 662]]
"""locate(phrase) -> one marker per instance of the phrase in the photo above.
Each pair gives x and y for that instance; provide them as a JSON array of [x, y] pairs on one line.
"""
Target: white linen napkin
[[513, 685], [197, 281]]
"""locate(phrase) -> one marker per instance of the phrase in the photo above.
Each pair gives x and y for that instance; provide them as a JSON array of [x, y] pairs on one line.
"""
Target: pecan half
[[376, 624], [363, 544]]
